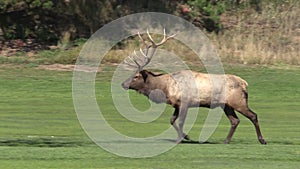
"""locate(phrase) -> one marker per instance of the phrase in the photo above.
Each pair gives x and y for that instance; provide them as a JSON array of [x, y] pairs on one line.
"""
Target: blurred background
[[243, 31]]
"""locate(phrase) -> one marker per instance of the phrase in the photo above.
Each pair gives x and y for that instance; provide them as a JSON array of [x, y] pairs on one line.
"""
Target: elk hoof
[[186, 137], [178, 141], [226, 141], [262, 141]]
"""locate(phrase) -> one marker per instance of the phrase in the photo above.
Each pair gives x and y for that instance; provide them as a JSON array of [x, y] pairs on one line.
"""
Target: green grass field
[[39, 127]]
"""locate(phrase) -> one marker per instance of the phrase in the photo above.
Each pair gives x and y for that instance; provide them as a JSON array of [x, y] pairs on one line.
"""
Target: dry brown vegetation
[[270, 37]]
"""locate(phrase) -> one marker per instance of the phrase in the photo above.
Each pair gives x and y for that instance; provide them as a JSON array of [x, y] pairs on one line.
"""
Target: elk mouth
[[125, 85]]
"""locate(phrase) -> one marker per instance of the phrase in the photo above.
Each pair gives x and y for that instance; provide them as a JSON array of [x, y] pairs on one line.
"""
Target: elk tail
[[244, 86]]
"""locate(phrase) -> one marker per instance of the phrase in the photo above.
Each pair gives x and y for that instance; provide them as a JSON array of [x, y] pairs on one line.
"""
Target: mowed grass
[[39, 127]]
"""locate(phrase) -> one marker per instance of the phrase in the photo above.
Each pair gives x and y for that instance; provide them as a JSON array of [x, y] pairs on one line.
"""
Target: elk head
[[138, 79]]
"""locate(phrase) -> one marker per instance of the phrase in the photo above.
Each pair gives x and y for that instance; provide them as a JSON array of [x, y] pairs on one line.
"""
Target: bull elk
[[178, 90]]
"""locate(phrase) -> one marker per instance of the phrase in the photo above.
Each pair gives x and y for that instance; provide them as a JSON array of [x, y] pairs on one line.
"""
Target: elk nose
[[125, 86]]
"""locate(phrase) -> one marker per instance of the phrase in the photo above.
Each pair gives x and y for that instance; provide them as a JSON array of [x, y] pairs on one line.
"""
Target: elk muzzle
[[126, 83]]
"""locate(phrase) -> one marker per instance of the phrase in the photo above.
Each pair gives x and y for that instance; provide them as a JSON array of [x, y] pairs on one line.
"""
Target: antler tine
[[132, 59], [146, 45], [165, 38], [130, 64], [136, 62], [152, 41], [164, 35], [147, 58], [144, 54], [140, 36]]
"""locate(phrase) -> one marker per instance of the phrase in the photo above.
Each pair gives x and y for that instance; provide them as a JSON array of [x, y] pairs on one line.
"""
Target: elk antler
[[146, 59]]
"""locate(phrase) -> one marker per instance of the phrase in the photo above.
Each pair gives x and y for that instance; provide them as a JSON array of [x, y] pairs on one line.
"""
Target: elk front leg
[[174, 118], [173, 123], [182, 116]]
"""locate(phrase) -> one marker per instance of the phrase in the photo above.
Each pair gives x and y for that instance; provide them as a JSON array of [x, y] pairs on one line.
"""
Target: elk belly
[[157, 96]]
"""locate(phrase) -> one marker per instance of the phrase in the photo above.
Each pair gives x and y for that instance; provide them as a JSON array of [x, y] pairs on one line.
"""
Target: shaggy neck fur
[[155, 87]]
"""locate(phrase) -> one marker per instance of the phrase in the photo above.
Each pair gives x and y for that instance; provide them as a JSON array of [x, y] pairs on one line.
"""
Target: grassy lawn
[[39, 127]]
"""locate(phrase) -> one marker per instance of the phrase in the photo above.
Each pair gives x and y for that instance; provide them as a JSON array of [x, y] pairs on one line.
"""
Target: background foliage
[[50, 20], [243, 31]]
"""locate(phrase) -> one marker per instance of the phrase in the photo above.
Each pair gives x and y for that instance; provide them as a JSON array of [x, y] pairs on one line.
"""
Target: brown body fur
[[186, 89]]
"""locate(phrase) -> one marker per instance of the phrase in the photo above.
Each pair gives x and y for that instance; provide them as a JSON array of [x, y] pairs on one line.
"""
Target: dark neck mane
[[156, 88], [154, 74]]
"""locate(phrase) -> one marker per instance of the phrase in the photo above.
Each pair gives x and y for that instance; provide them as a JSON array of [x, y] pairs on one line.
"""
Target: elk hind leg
[[234, 120]]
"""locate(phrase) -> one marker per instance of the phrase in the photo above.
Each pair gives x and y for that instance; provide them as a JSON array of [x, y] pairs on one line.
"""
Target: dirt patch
[[62, 67], [59, 67]]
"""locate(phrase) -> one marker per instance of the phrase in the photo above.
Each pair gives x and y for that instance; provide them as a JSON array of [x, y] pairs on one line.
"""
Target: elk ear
[[144, 74]]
